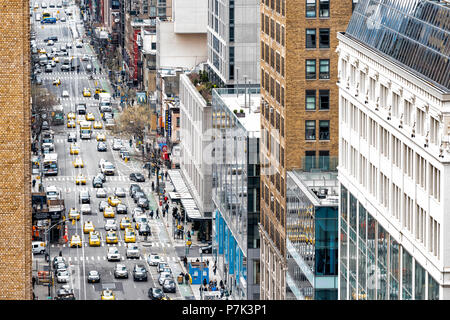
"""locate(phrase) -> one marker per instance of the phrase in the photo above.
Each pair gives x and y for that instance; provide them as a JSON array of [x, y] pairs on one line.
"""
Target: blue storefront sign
[[141, 97]]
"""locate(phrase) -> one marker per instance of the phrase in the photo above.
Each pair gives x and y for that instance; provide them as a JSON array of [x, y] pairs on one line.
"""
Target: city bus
[[57, 115], [48, 20], [50, 164], [85, 130]]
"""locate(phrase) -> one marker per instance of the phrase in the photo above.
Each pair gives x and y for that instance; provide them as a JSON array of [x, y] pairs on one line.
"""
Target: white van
[[38, 17], [38, 247]]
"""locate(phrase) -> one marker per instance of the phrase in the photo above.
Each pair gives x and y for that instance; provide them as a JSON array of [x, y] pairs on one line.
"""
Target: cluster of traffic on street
[[100, 241]]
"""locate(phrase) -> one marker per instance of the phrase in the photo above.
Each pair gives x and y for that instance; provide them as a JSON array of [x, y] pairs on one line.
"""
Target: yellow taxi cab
[[125, 223], [130, 235], [114, 201], [80, 179], [75, 241], [86, 92], [108, 294], [71, 116], [101, 136], [90, 116], [74, 148], [74, 214], [88, 227], [94, 239], [98, 125], [78, 162], [166, 298], [108, 212], [100, 90], [42, 51], [56, 59], [111, 237], [56, 82], [71, 124]]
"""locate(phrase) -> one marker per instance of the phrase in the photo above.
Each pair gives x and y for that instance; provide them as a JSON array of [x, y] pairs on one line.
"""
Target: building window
[[310, 99], [277, 62], [310, 130], [310, 69], [324, 69], [324, 160], [310, 160], [282, 36], [324, 99], [311, 38], [324, 38], [278, 33], [324, 8], [310, 8], [324, 130]]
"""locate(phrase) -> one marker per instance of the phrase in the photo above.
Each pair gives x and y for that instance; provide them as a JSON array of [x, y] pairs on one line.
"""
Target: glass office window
[[324, 160], [433, 288], [419, 282], [394, 262], [324, 69], [382, 247], [310, 69], [324, 130], [371, 253], [353, 216], [343, 284], [310, 99], [324, 38], [310, 130], [310, 8], [352, 259], [407, 276], [344, 203], [326, 241], [324, 8], [311, 38], [324, 99]]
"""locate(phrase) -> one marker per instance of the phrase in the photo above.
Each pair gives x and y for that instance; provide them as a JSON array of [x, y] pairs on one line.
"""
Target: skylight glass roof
[[414, 33]]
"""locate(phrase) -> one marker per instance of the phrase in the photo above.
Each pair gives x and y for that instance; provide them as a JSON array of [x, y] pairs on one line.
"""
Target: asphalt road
[[82, 260]]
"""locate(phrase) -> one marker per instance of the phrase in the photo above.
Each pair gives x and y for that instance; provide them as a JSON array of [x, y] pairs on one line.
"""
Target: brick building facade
[[299, 108], [15, 146]]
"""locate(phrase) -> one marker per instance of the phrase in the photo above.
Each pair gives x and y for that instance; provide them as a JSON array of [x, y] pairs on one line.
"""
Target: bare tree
[[133, 121], [43, 100]]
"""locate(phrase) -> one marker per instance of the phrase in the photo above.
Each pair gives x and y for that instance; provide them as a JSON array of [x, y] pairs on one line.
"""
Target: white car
[[153, 259], [85, 57], [50, 43], [62, 276], [110, 225], [63, 19], [132, 250], [65, 93], [69, 45], [113, 254], [86, 208], [101, 193], [117, 144]]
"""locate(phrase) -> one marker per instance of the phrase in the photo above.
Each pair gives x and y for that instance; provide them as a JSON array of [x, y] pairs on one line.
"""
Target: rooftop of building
[[403, 31], [321, 187], [246, 107], [201, 82]]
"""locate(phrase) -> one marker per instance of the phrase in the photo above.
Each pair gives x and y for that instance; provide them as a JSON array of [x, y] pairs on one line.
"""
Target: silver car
[[110, 225], [153, 259], [86, 208], [132, 250], [164, 276], [120, 192], [120, 271], [101, 193], [113, 254]]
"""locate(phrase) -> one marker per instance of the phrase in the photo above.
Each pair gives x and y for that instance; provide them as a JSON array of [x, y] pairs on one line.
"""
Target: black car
[[85, 197], [107, 115], [139, 273], [72, 137], [121, 209], [169, 286], [101, 146], [133, 188], [155, 293], [206, 249], [138, 177], [144, 230], [102, 205], [81, 108], [97, 182], [101, 176], [93, 276], [143, 203], [53, 38]]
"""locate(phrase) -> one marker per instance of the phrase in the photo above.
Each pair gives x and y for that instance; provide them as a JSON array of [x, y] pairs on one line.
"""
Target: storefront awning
[[191, 209], [177, 181], [179, 195]]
